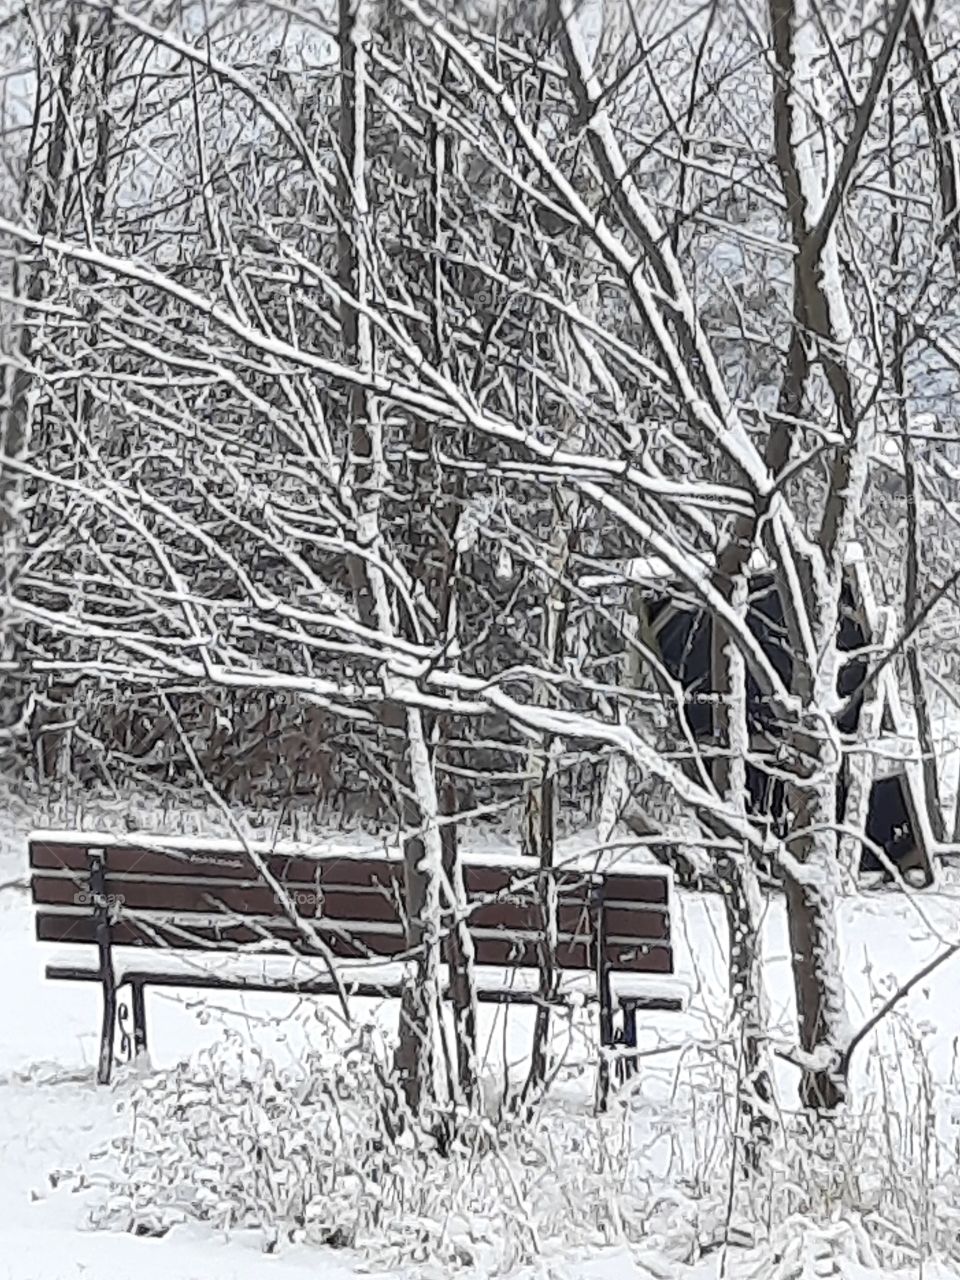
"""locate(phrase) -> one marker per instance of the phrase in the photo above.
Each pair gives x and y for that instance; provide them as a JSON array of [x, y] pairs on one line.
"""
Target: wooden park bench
[[183, 912]]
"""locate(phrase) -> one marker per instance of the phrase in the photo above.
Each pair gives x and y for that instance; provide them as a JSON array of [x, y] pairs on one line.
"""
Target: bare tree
[[49, 187], [329, 357], [421, 1029]]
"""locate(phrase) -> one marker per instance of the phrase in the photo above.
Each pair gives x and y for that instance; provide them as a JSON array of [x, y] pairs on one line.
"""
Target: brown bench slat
[[130, 859], [572, 953], [270, 926], [198, 933], [177, 892], [355, 873], [568, 898], [246, 898], [156, 895], [198, 884], [49, 855]]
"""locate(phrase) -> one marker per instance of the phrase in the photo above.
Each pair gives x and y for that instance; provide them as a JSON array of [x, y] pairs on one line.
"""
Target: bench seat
[[373, 979]]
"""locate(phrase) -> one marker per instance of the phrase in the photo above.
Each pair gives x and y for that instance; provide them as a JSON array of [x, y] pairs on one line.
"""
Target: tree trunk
[[812, 883], [540, 800], [740, 889], [50, 167], [814, 189], [420, 1028], [440, 574]]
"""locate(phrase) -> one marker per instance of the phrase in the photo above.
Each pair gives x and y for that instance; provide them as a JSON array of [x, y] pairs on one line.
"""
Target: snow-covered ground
[[55, 1123]]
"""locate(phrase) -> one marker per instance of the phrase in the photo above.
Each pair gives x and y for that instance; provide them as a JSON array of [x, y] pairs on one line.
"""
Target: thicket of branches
[[359, 358]]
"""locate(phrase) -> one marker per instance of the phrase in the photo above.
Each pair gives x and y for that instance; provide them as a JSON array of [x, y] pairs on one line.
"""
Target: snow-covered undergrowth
[[880, 1184], [300, 1153], [297, 1153]]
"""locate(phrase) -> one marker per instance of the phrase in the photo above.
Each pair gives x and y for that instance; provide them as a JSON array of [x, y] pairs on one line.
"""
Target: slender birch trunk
[[440, 572], [420, 1030], [540, 801]]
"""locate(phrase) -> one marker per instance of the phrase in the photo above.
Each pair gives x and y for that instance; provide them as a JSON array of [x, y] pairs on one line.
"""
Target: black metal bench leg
[[603, 1075], [108, 1030], [101, 912], [139, 1010], [607, 1042], [605, 996], [631, 1064]]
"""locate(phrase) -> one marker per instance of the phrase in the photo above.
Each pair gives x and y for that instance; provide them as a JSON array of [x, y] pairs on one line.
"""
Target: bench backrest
[[171, 893]]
